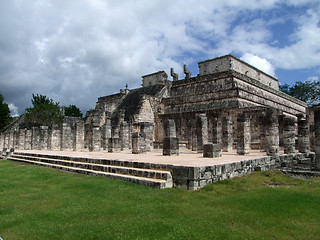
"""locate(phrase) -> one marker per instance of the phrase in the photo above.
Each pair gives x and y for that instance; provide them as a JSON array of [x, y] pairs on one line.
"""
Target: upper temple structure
[[228, 105]]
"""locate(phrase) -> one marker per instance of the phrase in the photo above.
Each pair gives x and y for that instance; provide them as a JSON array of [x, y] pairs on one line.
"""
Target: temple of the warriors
[[229, 106]]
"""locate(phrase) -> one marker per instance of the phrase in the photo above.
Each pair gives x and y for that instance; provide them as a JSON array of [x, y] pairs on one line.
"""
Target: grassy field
[[43, 203]]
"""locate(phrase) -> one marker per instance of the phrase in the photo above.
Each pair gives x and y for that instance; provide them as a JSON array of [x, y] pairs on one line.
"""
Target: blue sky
[[75, 51]]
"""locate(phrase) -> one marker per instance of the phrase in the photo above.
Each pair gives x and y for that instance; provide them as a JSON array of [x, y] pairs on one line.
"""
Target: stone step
[[139, 172], [301, 172], [146, 177], [111, 162]]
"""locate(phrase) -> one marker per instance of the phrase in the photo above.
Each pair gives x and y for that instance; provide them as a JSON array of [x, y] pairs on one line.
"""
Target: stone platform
[[189, 170]]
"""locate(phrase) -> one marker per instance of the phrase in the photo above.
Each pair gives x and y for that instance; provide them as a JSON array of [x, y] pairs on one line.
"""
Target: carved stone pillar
[[217, 130], [289, 135], [317, 136], [227, 131], [35, 138], [271, 122], [44, 138], [170, 141], [78, 138], [66, 138], [303, 135], [202, 132], [139, 143], [27, 141], [124, 135], [21, 139], [96, 139], [243, 134], [55, 138]]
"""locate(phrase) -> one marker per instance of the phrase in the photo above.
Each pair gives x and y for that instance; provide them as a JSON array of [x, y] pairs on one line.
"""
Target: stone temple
[[229, 106]]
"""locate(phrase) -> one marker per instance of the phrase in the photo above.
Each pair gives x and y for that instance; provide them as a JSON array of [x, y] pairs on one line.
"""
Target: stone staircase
[[301, 165], [136, 172]]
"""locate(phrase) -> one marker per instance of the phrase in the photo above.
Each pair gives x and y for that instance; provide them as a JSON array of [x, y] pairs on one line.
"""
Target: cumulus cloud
[[13, 110], [76, 51], [258, 62]]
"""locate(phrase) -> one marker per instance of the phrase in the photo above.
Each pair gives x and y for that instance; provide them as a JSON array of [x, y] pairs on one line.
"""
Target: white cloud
[[75, 51], [258, 62], [13, 110]]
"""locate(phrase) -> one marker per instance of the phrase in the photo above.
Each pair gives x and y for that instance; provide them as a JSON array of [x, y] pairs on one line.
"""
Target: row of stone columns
[[56, 137], [223, 133]]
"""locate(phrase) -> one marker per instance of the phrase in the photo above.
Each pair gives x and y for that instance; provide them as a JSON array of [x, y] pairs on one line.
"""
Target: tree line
[[44, 111]]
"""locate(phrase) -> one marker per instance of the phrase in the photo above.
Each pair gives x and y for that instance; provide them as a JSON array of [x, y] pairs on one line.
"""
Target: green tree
[[44, 111], [5, 117], [72, 111], [307, 91]]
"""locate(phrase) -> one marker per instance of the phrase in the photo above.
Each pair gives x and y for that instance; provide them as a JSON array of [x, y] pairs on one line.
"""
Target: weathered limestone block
[[139, 143], [170, 142], [35, 138], [114, 145], [303, 135], [227, 131], [211, 150], [96, 139], [170, 128], [16, 135], [66, 138], [243, 134], [21, 138], [55, 138], [1, 141], [105, 134], [44, 137], [317, 136], [148, 129], [202, 132], [124, 135], [217, 130], [28, 139], [170, 146], [272, 132], [11, 139], [78, 144], [289, 135]]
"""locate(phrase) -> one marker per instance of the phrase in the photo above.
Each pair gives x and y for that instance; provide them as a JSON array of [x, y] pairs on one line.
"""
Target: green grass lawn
[[44, 203]]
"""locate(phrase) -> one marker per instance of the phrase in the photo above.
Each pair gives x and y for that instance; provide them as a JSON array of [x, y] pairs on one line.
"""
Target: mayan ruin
[[230, 106]]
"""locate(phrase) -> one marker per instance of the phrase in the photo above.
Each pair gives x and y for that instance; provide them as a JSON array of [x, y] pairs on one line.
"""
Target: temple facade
[[229, 106]]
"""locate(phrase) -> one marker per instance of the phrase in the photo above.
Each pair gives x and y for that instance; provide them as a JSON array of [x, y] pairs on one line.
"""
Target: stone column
[[96, 139], [55, 138], [44, 137], [170, 141], [1, 141], [303, 135], [78, 138], [28, 139], [289, 134], [139, 143], [227, 131], [317, 136], [194, 135], [148, 129], [105, 135], [202, 131], [124, 135], [35, 138], [243, 134], [16, 134], [21, 139], [11, 139], [271, 122], [66, 138], [217, 130]]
